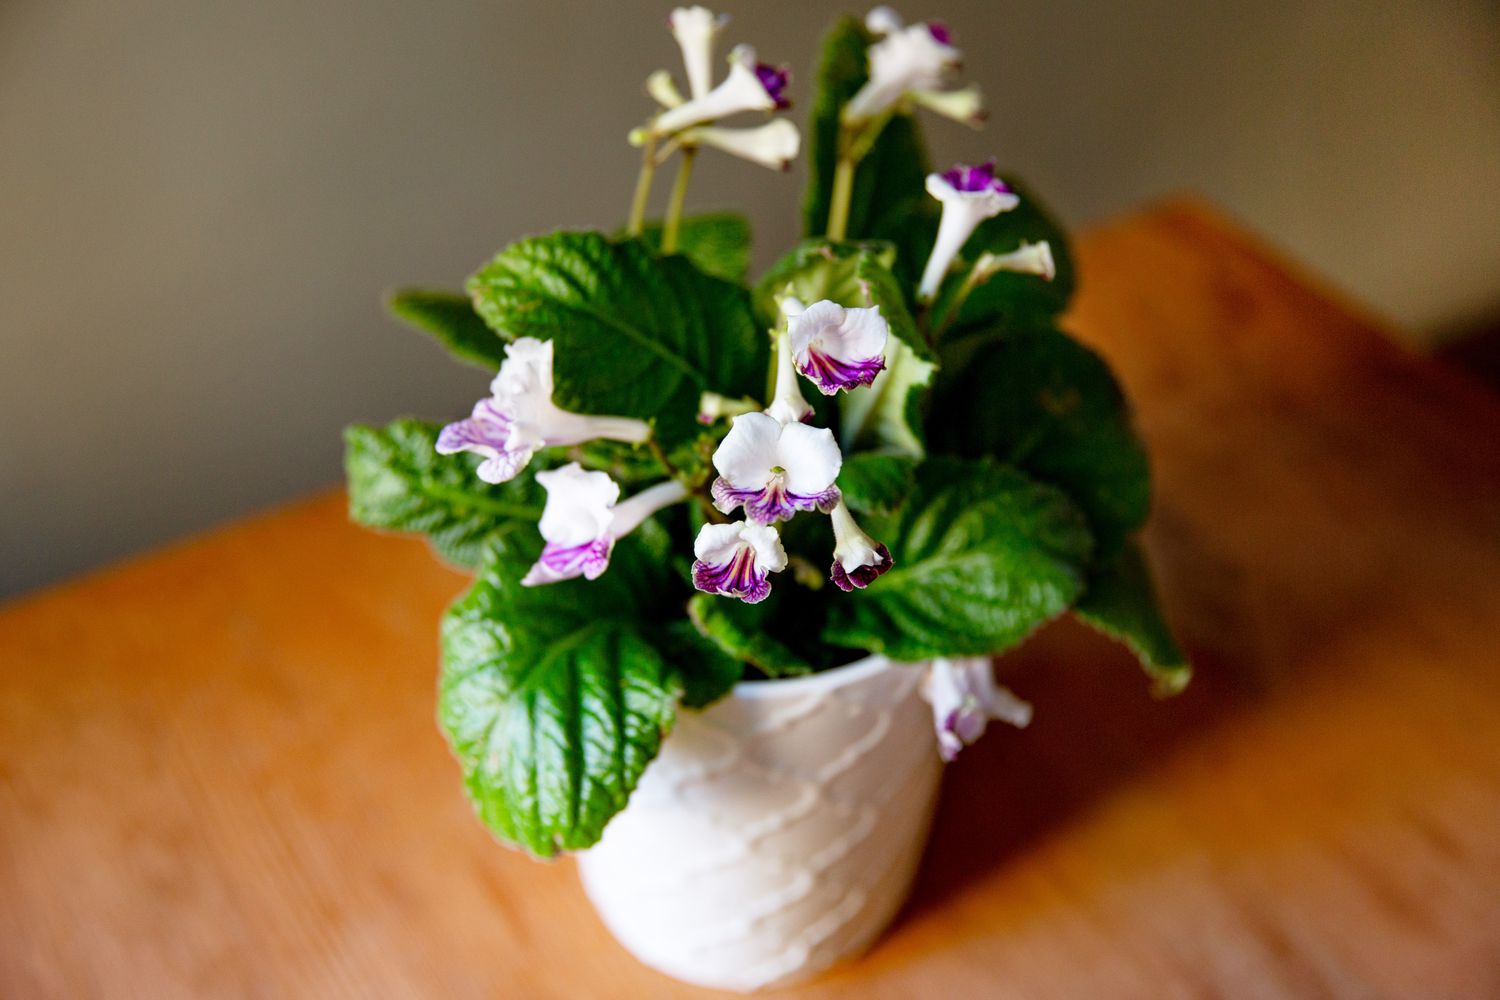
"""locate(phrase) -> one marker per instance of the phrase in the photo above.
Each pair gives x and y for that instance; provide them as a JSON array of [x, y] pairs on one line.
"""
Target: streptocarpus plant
[[677, 481]]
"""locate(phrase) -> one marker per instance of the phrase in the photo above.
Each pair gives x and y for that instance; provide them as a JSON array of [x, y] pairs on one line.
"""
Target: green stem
[[642, 189], [843, 191], [679, 198]]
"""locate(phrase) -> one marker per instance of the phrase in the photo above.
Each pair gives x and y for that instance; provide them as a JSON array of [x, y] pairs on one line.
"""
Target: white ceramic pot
[[777, 832]]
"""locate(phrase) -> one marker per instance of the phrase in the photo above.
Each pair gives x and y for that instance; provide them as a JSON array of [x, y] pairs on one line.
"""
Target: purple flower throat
[[775, 81], [939, 32], [974, 179]]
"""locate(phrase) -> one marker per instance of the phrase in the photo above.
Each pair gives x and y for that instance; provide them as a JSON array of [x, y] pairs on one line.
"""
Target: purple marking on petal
[[976, 179], [939, 32], [775, 81], [861, 576], [831, 375], [587, 560], [773, 503], [736, 578]]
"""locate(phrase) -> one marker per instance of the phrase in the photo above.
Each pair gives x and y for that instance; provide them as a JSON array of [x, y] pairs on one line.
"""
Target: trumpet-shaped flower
[[788, 405], [774, 470], [838, 348], [969, 196], [519, 417], [1030, 258], [737, 560], [915, 61], [774, 144], [696, 29], [750, 86], [858, 559], [964, 697], [582, 521]]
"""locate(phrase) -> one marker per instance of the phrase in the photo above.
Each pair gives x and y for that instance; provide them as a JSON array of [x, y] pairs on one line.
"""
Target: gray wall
[[200, 202]]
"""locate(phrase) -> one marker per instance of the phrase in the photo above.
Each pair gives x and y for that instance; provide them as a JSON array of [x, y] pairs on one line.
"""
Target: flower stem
[[642, 189], [679, 197], [843, 191]]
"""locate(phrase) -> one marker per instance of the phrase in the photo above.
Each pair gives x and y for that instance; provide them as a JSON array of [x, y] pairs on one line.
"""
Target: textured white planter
[[777, 832]]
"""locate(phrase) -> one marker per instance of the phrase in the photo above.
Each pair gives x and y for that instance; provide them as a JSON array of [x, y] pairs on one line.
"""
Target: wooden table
[[220, 776]]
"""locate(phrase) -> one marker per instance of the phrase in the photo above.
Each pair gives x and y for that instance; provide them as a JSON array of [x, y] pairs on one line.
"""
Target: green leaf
[[888, 191], [635, 335], [1039, 400], [876, 482], [981, 556], [555, 698], [450, 319], [717, 243], [740, 631], [1121, 603], [708, 672], [398, 482], [1007, 300], [888, 413]]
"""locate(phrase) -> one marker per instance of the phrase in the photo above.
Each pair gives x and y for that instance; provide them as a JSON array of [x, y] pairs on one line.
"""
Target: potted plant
[[742, 552]]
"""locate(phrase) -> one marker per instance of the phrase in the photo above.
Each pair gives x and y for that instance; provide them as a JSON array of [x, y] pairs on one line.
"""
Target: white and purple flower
[[969, 196], [519, 417], [750, 86], [916, 62], [582, 521], [775, 470], [788, 405], [858, 559], [964, 697], [838, 348], [737, 560]]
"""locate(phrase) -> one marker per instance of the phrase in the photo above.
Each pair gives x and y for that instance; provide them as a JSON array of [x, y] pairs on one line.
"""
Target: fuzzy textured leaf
[[634, 334], [1121, 603], [739, 630], [398, 482], [555, 698], [450, 319], [1041, 401], [982, 557], [717, 243], [875, 482]]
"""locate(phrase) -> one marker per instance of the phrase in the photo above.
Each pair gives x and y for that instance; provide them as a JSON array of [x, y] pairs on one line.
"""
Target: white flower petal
[[749, 451], [811, 458], [763, 539], [774, 144], [578, 504]]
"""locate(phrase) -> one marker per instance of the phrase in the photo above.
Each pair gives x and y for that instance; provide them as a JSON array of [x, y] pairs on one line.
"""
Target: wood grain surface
[[220, 775]]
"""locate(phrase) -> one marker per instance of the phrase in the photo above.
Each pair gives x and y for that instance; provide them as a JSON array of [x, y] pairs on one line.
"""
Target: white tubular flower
[[1031, 258], [969, 196], [907, 59], [965, 105], [582, 521], [662, 89], [696, 29], [737, 560], [838, 348], [774, 470], [964, 697], [750, 86], [858, 559], [788, 405], [519, 417], [774, 144]]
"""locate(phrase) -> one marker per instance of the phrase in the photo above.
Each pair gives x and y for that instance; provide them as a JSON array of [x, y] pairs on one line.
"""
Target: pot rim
[[774, 687]]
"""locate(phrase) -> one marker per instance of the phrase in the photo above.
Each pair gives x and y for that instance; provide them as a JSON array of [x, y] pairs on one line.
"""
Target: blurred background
[[201, 203]]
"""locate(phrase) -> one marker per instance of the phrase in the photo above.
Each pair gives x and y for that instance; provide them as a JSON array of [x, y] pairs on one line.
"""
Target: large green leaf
[[634, 334], [888, 192], [718, 243], [740, 631], [398, 482], [876, 482], [555, 698], [450, 319], [1121, 603], [981, 556], [1039, 400]]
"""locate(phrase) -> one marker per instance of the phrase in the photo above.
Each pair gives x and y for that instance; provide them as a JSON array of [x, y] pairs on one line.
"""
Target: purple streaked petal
[[737, 578], [772, 503], [565, 562], [832, 375], [775, 81], [939, 32], [976, 179], [861, 577]]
